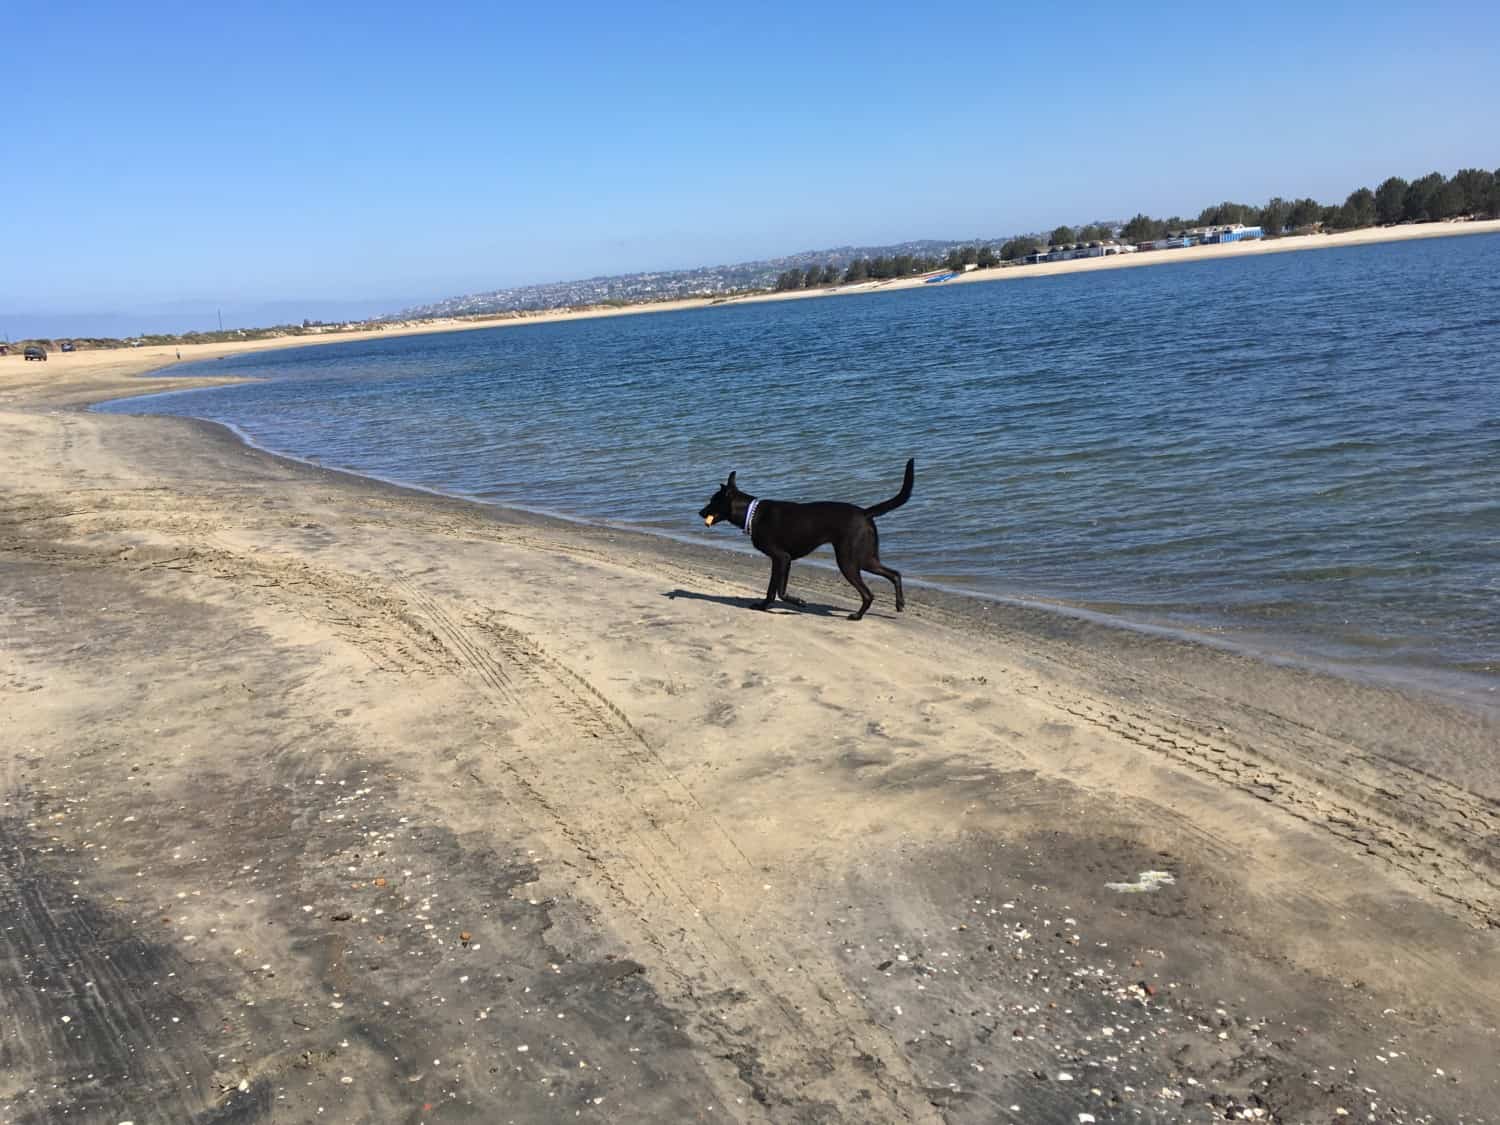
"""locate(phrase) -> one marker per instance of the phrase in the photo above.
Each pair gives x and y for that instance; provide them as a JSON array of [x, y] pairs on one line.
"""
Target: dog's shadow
[[755, 603]]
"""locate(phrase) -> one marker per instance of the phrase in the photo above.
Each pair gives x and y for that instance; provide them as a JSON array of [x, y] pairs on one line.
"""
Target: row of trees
[[810, 278], [1064, 236], [1472, 191], [982, 256], [961, 256], [883, 267], [870, 269]]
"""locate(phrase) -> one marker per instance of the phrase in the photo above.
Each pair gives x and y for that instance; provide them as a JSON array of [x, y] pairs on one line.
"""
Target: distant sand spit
[[1249, 248]]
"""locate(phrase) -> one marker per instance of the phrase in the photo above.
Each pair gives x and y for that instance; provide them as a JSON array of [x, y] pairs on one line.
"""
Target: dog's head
[[718, 507]]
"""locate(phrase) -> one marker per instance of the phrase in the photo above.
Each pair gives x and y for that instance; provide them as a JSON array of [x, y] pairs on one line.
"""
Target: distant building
[[1234, 232], [1104, 249], [1069, 251]]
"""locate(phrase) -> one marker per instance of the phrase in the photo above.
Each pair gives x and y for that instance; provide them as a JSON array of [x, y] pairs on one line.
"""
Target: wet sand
[[322, 800]]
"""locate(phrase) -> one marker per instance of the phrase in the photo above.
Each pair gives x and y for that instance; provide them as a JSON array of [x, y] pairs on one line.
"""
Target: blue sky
[[164, 159]]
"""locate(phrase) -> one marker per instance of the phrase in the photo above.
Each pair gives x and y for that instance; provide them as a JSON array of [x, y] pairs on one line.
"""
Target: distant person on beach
[[179, 353]]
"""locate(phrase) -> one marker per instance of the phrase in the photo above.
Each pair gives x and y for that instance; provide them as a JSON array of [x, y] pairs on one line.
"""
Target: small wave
[[1331, 449]]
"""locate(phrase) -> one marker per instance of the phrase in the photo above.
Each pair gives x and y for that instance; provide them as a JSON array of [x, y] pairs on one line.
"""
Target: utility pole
[[221, 320]]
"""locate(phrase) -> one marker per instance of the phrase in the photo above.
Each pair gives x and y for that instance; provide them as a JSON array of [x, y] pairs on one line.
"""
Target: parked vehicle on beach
[[36, 351], [68, 346]]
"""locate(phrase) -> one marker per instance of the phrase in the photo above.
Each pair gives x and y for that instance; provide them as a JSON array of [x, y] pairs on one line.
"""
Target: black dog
[[787, 531]]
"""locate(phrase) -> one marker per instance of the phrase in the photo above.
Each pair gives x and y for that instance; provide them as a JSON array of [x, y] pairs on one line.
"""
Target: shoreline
[[371, 788], [1469, 691]]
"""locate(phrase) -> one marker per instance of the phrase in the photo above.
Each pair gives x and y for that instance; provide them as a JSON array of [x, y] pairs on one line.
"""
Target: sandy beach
[[107, 365], [324, 800]]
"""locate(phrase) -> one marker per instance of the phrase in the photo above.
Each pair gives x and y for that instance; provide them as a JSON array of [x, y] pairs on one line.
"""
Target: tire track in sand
[[1436, 843], [1428, 830], [677, 881]]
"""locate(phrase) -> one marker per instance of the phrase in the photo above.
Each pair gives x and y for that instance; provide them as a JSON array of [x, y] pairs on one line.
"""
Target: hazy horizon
[[307, 163]]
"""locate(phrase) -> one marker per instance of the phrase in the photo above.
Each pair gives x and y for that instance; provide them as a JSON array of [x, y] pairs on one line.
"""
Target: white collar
[[750, 515]]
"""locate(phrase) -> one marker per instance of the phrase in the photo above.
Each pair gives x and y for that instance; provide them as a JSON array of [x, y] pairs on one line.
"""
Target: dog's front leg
[[786, 573], [780, 564]]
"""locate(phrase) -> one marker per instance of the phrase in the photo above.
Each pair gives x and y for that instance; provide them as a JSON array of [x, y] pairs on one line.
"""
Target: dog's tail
[[900, 498]]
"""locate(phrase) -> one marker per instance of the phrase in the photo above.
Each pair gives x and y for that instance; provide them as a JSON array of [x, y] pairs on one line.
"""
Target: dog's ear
[[729, 484]]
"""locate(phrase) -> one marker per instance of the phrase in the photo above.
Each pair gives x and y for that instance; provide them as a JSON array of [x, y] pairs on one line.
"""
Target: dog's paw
[[798, 602]]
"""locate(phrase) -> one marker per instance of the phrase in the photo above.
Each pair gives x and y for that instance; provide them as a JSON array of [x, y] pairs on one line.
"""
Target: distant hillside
[[705, 281]]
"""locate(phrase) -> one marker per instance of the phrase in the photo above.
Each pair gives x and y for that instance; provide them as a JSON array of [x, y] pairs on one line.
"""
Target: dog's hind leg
[[874, 566], [850, 570]]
